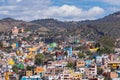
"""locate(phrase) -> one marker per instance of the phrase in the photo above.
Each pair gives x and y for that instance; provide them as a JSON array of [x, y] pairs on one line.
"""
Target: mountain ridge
[[109, 25]]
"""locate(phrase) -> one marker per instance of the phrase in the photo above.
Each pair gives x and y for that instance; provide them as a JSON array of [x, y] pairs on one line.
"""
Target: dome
[[53, 45]]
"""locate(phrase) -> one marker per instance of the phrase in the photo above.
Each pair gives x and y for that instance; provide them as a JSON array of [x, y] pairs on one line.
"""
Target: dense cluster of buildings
[[18, 50]]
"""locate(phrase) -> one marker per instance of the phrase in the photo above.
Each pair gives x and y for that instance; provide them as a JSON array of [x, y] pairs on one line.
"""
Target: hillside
[[8, 23], [109, 25]]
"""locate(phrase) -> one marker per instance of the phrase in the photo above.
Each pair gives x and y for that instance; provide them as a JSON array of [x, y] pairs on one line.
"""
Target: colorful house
[[80, 63], [39, 71], [99, 60], [31, 78], [69, 50], [88, 63]]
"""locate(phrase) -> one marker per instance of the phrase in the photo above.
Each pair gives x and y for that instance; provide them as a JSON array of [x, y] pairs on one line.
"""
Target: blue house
[[30, 78], [69, 50], [88, 63], [99, 60]]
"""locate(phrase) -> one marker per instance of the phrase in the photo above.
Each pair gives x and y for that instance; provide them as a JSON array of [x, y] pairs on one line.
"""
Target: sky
[[64, 10]]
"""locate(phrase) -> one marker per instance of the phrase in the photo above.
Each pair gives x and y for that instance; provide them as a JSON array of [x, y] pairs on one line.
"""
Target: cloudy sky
[[65, 10]]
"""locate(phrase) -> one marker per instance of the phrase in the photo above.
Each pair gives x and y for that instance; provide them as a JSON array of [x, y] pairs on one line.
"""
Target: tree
[[27, 29], [39, 59], [97, 45], [107, 43], [30, 67], [106, 78], [66, 53], [15, 69], [1, 45], [99, 70], [70, 65], [48, 57], [105, 50], [81, 55]]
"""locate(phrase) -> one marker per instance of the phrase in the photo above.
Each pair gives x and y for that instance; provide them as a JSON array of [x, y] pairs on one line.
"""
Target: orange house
[[39, 71]]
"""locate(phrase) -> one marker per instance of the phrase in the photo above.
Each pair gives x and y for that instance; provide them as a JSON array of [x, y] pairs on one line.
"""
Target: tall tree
[[71, 65], [99, 70], [39, 59], [15, 69], [81, 55]]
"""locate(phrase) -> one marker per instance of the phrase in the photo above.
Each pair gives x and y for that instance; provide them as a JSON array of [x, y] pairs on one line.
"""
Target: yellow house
[[80, 63], [29, 73], [31, 55], [32, 49], [11, 62], [7, 75], [93, 50], [75, 75], [113, 64], [70, 71], [13, 45]]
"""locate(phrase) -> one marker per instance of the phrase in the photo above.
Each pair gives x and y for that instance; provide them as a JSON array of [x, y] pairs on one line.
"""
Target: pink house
[[15, 30]]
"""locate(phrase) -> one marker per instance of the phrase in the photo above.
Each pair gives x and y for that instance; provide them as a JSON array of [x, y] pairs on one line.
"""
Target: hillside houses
[[28, 55]]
